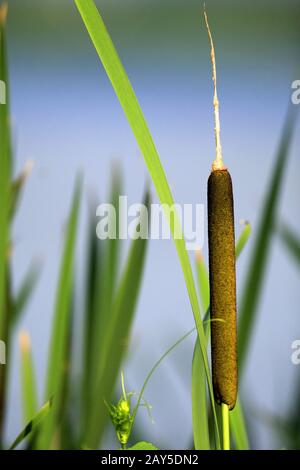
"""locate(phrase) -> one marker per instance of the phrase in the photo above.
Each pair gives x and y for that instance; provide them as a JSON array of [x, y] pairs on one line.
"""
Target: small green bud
[[124, 406], [121, 419]]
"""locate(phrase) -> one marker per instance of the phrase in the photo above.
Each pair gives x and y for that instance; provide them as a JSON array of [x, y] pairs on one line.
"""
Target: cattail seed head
[[222, 287]]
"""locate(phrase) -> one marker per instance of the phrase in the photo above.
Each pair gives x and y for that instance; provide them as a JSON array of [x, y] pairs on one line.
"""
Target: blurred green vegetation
[[73, 414], [177, 26]]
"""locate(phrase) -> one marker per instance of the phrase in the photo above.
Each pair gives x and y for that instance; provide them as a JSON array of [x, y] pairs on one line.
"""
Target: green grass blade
[[238, 427], [106, 282], [243, 239], [203, 281], [291, 242], [28, 381], [5, 181], [115, 339], [114, 244], [199, 402], [25, 291], [258, 261], [61, 326], [17, 187], [103, 270], [124, 91], [33, 425], [67, 434], [92, 292]]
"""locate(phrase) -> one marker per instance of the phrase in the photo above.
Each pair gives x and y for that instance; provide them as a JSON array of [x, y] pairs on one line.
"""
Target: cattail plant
[[222, 275]]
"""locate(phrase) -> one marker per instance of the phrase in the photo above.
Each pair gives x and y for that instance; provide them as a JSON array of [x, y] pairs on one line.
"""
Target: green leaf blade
[[238, 427], [116, 338], [243, 239], [28, 380], [5, 184], [25, 291], [260, 255], [33, 425], [291, 242], [61, 326], [127, 98], [203, 281], [199, 402]]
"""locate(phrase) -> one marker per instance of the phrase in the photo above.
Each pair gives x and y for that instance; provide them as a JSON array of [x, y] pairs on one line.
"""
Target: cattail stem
[[222, 276], [225, 427]]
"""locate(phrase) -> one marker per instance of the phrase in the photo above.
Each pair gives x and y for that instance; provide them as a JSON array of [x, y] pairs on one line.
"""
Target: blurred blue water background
[[66, 117]]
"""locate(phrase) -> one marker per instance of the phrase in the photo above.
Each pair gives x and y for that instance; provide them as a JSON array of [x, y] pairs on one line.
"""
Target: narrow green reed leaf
[[243, 238], [25, 291], [92, 293], [260, 254], [127, 98], [33, 425], [291, 241], [61, 326], [107, 280], [4, 176], [116, 339], [203, 281], [238, 427], [199, 402], [17, 187], [28, 380], [103, 270], [5, 182]]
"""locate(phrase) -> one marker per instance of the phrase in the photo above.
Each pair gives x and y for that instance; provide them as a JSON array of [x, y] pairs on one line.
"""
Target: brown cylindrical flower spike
[[222, 286]]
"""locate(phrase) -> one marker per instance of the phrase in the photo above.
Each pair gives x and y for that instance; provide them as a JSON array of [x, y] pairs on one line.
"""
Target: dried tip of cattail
[[218, 165], [244, 222], [24, 341], [3, 12], [28, 167], [199, 255]]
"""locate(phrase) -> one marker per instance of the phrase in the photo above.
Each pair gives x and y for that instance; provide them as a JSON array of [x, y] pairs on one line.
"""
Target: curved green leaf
[[127, 98], [32, 425], [238, 427], [291, 241]]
